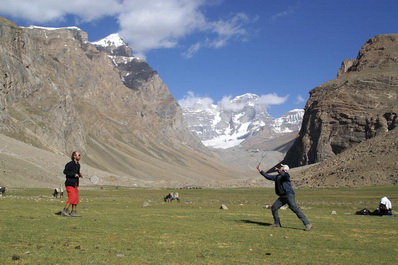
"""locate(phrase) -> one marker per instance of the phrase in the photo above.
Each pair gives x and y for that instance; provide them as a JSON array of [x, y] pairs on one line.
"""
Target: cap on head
[[285, 167]]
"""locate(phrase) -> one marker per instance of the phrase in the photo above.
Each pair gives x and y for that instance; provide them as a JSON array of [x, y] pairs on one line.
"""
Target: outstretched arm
[[265, 175]]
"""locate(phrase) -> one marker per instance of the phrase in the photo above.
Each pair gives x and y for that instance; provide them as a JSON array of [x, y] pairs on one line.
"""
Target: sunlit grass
[[116, 228]]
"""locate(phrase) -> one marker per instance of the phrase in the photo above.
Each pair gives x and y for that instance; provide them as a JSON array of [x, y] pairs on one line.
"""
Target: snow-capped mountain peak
[[245, 98], [112, 40], [232, 121]]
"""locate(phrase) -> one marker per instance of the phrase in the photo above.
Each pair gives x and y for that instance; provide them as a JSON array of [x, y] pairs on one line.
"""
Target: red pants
[[73, 194]]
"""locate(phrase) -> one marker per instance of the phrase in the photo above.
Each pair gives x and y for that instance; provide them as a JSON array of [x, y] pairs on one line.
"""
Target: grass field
[[116, 228]]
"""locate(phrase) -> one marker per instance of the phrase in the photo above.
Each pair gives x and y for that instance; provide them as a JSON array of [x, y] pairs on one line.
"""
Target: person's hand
[[258, 168]]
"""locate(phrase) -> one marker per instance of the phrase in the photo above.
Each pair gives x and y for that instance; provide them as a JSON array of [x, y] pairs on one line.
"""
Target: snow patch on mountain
[[112, 40], [51, 28], [289, 122]]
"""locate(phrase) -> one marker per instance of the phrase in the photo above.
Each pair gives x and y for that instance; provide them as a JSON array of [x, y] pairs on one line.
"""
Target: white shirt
[[386, 202]]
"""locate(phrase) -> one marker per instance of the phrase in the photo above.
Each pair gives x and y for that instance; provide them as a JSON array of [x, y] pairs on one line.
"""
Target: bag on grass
[[364, 211]]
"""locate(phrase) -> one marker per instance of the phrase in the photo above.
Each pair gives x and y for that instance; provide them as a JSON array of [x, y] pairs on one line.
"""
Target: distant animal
[[2, 190], [172, 196], [58, 193]]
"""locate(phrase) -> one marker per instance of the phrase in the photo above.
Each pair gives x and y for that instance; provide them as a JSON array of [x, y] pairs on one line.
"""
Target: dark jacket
[[283, 185], [71, 169]]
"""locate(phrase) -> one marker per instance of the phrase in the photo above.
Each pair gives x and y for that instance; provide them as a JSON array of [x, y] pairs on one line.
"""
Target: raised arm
[[265, 175]]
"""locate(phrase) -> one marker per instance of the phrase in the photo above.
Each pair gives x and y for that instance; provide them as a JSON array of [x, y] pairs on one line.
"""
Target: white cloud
[[299, 100], [192, 50], [145, 25], [157, 24], [232, 27], [289, 11], [267, 100], [154, 24], [223, 32], [271, 99], [226, 103], [191, 101], [44, 11]]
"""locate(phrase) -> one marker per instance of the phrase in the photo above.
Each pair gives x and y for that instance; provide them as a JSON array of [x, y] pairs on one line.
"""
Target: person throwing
[[72, 173], [284, 190]]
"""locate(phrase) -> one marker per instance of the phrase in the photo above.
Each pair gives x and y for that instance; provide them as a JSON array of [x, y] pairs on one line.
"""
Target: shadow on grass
[[254, 222], [265, 224]]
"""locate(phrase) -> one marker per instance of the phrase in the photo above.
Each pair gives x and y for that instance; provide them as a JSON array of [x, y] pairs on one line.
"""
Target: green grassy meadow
[[116, 228]]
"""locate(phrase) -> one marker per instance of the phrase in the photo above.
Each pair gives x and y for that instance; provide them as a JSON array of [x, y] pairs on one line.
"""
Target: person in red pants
[[72, 173]]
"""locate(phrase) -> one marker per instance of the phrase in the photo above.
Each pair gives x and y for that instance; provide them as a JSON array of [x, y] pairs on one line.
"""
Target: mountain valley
[[60, 93]]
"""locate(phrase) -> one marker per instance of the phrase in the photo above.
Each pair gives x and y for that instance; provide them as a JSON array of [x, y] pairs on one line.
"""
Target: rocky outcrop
[[345, 66], [358, 105]]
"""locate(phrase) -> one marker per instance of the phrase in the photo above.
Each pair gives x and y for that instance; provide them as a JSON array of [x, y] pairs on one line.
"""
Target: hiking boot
[[75, 214], [308, 227], [275, 225], [65, 213]]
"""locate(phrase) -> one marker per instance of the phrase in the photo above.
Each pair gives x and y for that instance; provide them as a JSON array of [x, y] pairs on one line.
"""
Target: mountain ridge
[[231, 122]]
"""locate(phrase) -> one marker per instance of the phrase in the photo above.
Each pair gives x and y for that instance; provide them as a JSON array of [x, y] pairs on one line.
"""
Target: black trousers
[[290, 200]]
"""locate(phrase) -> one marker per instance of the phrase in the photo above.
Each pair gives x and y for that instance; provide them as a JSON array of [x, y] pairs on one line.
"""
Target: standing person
[[284, 190], [72, 173]]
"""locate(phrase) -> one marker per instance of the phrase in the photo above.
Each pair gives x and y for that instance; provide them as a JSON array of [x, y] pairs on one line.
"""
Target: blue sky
[[225, 48]]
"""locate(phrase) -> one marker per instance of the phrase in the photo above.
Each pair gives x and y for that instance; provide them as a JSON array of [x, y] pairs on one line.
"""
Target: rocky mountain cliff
[[228, 124], [358, 105], [61, 93]]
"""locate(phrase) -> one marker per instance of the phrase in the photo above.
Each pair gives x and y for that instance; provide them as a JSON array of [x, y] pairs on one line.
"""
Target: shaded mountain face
[[358, 105], [229, 124], [61, 93]]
